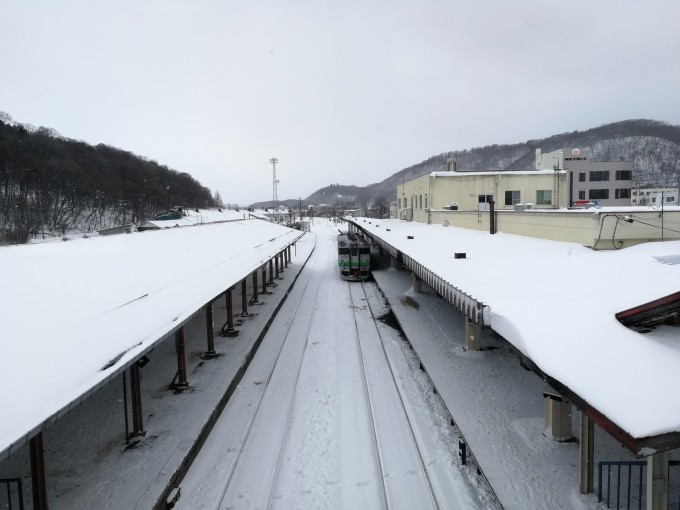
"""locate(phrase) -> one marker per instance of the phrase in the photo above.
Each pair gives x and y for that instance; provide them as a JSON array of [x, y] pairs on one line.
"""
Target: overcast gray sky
[[346, 91]]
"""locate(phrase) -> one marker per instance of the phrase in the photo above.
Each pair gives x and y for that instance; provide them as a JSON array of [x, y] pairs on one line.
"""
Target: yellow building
[[474, 191], [531, 203]]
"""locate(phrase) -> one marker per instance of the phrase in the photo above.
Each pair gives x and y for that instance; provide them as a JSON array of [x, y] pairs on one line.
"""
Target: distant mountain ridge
[[653, 146]]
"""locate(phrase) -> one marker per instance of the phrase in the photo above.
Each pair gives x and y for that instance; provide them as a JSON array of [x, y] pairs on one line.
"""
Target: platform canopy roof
[[75, 314], [602, 326]]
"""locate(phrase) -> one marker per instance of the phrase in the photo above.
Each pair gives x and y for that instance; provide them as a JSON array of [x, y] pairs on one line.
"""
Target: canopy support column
[[136, 397], [271, 273], [244, 299], [586, 454], [416, 284], [229, 302], [557, 415], [210, 332], [264, 280], [657, 481], [180, 382], [473, 335], [255, 298], [38, 476]]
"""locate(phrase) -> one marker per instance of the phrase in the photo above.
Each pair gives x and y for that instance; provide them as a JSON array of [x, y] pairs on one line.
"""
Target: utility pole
[[275, 194]]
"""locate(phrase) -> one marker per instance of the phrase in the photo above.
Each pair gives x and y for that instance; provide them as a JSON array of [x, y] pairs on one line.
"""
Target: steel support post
[[281, 262], [286, 256], [136, 401], [229, 331], [586, 454], [230, 310], [255, 298], [657, 481], [38, 476], [180, 382], [244, 299], [264, 280], [210, 331], [276, 260], [271, 272]]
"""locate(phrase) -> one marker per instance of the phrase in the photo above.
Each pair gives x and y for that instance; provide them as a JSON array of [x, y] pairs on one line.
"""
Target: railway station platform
[[89, 463], [497, 405]]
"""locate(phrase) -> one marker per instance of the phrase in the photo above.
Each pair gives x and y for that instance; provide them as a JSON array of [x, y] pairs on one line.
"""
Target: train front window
[[355, 252], [343, 251], [365, 251]]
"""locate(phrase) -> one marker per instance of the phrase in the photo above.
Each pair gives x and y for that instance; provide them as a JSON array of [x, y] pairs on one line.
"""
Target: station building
[[539, 203]]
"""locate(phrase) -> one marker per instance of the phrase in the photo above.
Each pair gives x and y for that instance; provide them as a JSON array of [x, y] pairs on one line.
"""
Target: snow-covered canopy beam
[[557, 304], [74, 315]]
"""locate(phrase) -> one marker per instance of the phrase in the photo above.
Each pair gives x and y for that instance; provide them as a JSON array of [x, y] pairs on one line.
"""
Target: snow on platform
[[74, 314], [556, 302]]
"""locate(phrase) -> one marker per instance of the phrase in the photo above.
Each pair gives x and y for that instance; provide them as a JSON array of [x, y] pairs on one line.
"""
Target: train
[[354, 257]]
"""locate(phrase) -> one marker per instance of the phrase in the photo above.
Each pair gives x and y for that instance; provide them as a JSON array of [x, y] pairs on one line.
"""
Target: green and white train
[[354, 257]]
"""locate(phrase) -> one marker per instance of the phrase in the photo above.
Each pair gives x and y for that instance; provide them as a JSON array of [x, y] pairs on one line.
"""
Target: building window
[[581, 194], [624, 175], [581, 177], [399, 203], [543, 197], [670, 199], [598, 194], [485, 199], [512, 197], [622, 193], [425, 201], [599, 175]]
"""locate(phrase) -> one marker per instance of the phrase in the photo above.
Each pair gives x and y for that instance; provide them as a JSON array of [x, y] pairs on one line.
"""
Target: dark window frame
[[599, 175], [598, 194], [510, 197]]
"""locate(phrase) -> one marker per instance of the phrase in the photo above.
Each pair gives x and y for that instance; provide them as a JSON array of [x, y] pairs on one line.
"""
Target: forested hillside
[[654, 148], [53, 184]]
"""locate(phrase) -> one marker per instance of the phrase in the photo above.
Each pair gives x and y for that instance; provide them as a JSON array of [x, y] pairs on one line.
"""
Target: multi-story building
[[604, 183], [534, 203], [655, 197]]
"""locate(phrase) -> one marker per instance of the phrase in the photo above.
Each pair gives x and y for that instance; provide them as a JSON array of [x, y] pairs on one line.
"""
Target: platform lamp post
[[275, 194]]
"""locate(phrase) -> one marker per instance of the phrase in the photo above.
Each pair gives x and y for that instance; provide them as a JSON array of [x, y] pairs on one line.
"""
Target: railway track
[[321, 418], [402, 466]]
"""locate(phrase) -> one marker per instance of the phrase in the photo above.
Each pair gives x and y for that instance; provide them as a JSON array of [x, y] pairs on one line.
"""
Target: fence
[[11, 494], [629, 476]]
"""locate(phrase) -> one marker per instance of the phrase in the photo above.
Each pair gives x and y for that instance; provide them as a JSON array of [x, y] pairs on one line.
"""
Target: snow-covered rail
[[406, 481]]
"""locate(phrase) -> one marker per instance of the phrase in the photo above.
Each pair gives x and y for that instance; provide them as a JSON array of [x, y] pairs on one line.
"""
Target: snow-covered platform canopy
[[74, 314], [601, 326]]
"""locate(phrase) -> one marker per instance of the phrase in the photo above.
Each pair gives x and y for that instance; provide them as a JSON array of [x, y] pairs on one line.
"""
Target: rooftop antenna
[[275, 194]]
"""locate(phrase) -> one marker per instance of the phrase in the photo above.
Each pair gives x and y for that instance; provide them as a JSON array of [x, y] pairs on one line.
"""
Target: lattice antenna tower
[[275, 193]]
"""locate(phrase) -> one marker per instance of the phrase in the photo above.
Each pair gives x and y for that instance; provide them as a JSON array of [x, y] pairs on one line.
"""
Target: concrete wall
[[589, 227]]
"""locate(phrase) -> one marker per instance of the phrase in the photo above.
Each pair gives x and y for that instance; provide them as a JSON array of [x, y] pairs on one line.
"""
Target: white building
[[656, 197], [605, 183]]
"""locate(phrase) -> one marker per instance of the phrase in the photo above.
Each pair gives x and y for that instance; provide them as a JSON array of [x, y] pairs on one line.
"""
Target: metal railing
[[627, 475], [11, 494]]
